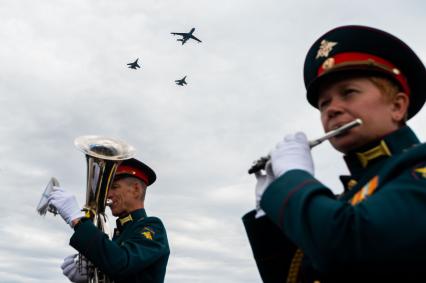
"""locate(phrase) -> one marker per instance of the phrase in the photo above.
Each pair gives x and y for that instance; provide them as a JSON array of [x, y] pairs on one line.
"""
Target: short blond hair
[[388, 88]]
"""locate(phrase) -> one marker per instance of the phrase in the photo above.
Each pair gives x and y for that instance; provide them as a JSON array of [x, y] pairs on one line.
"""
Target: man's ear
[[135, 189], [400, 107]]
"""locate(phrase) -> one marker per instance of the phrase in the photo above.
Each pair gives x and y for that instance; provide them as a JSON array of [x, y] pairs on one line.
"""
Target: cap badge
[[325, 48], [328, 63]]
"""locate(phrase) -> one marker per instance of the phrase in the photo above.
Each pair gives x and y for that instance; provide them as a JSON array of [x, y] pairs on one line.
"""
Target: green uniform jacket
[[138, 252], [375, 229]]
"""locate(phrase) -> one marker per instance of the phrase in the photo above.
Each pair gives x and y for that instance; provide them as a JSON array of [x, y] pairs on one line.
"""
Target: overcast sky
[[63, 74]]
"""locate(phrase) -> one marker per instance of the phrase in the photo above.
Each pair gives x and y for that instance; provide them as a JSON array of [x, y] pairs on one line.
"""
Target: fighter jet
[[134, 65], [181, 81], [186, 36]]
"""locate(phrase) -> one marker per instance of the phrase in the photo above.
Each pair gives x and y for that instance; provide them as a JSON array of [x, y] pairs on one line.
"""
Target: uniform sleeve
[[386, 228], [272, 250], [146, 244]]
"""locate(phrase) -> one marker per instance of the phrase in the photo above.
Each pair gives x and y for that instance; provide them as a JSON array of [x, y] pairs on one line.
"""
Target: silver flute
[[261, 162]]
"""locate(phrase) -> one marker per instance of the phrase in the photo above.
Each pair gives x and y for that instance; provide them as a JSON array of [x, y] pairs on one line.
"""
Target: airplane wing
[[179, 33], [193, 37]]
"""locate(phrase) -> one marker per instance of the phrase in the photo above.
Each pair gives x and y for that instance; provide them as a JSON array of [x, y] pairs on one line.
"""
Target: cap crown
[[339, 50]]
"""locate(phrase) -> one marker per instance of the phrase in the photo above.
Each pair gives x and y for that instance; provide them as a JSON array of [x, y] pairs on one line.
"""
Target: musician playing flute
[[375, 231], [139, 249]]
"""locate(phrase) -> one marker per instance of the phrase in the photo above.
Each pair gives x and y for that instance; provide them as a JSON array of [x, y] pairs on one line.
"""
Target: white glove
[[263, 181], [293, 152], [66, 204], [70, 269]]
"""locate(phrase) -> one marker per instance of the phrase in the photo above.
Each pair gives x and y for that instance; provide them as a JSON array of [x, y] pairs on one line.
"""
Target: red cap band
[[128, 170], [364, 59]]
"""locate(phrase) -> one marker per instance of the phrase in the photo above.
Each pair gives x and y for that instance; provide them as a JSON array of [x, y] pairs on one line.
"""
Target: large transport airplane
[[186, 36]]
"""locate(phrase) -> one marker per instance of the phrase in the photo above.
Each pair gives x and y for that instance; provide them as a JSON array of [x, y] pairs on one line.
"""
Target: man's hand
[[293, 152], [66, 204], [263, 181], [71, 270]]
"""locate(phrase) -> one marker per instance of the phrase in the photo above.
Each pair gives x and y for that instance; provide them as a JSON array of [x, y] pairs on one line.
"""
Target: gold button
[[351, 184]]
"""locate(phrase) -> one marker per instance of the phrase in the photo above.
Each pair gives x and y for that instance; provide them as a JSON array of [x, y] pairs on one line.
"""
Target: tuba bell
[[103, 156]]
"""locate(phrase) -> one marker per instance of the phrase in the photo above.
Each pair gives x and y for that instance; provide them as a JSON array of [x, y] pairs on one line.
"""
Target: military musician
[[139, 249], [375, 230]]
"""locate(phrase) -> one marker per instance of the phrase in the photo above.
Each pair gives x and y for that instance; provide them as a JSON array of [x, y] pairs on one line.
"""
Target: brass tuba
[[103, 156]]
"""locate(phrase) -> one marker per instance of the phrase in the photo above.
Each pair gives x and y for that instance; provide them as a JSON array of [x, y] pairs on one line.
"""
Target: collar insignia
[[126, 219], [325, 48], [380, 150], [421, 171]]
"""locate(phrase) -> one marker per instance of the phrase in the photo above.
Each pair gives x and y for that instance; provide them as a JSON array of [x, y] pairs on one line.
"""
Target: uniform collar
[[133, 216], [372, 155]]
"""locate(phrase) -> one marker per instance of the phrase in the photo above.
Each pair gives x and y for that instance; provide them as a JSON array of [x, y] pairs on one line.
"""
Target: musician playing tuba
[[375, 230], [139, 249]]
